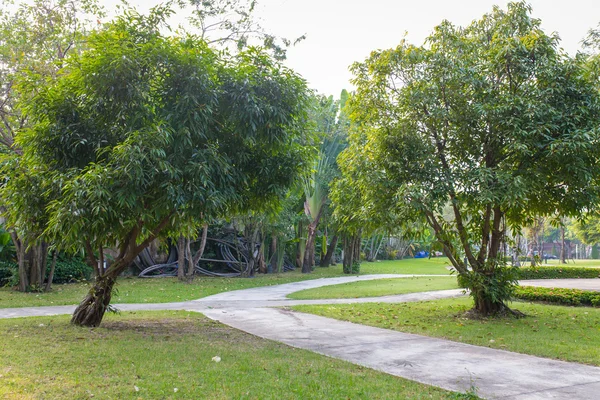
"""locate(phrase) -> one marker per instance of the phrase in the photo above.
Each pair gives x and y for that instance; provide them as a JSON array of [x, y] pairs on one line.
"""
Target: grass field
[[169, 355], [165, 290], [565, 333], [379, 287]]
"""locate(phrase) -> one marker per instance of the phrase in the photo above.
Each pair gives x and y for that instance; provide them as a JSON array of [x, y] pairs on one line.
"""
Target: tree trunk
[[91, 310], [348, 254], [23, 268], [181, 258], [301, 246], [273, 255], [251, 234], [200, 251], [262, 265], [326, 261], [563, 253], [51, 274], [486, 306], [310, 245], [351, 252], [31, 261]]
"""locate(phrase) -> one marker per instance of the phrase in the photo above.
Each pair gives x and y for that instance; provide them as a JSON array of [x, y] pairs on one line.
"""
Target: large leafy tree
[[145, 135], [493, 121]]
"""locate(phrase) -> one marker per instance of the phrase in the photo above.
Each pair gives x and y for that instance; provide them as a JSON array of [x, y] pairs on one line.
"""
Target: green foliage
[[8, 273], [7, 248], [587, 229], [70, 269], [558, 273], [568, 297], [497, 285], [143, 132]]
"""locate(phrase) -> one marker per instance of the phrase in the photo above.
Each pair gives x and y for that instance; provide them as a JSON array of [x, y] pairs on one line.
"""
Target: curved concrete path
[[496, 374]]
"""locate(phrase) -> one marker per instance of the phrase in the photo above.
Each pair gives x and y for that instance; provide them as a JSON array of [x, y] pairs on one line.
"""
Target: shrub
[[8, 272], [70, 269], [570, 297], [558, 273]]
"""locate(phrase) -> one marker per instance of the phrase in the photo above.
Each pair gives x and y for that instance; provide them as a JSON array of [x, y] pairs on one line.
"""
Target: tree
[[145, 135], [232, 24], [34, 41], [316, 184], [493, 121]]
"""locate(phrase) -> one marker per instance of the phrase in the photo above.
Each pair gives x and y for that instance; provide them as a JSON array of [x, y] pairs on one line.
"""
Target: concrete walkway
[[495, 374], [583, 284]]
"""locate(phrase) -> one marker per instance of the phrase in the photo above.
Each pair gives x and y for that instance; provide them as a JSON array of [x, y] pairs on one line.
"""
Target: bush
[[8, 272], [69, 269], [569, 297], [558, 273]]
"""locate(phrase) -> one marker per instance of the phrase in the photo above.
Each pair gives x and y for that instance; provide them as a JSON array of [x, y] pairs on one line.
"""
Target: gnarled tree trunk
[[91, 310]]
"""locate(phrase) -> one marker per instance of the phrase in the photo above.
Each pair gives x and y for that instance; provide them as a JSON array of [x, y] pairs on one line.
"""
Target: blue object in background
[[422, 254]]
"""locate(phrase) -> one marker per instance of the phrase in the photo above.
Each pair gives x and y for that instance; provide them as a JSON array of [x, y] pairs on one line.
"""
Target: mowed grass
[[565, 333], [379, 287], [165, 290], [168, 355]]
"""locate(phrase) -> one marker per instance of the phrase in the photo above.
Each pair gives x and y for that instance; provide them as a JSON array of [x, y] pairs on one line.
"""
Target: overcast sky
[[340, 32]]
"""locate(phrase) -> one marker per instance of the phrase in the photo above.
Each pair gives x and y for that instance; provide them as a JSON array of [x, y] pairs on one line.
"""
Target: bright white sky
[[340, 32]]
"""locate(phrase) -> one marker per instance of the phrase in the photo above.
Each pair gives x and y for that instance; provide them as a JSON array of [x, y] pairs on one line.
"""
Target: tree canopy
[[145, 134], [492, 121]]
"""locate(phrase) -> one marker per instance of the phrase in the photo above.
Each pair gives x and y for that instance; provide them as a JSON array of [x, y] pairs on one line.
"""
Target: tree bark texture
[[181, 258], [91, 310], [51, 274], [32, 262], [326, 261], [273, 255]]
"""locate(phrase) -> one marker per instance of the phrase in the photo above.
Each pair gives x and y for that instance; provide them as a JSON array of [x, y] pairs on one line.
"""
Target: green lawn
[[565, 333], [168, 355], [379, 287], [165, 290]]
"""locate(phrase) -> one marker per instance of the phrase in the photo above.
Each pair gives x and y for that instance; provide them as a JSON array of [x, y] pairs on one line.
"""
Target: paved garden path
[[495, 374]]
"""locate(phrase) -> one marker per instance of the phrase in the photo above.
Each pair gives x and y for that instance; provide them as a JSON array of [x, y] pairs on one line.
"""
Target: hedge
[[7, 271], [569, 297], [69, 269], [558, 273]]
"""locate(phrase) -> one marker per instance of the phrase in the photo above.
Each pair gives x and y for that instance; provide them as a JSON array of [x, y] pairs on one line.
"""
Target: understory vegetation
[[558, 272]]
